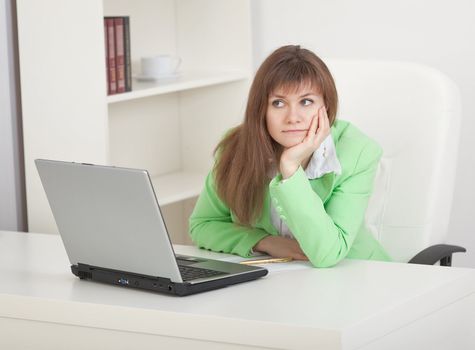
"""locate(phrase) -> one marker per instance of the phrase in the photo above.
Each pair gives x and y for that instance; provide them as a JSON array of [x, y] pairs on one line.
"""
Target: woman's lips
[[294, 131]]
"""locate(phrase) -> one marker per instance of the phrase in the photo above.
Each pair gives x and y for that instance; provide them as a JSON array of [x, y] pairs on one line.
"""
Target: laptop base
[[156, 284]]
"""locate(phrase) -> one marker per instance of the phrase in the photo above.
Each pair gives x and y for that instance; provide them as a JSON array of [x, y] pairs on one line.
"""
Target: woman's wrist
[[261, 245], [287, 170], [288, 167]]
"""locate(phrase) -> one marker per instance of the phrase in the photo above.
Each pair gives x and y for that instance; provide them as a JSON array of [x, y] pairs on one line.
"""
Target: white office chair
[[413, 112]]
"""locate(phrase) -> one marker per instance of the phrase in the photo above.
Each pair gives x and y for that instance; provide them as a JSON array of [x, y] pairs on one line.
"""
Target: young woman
[[290, 181]]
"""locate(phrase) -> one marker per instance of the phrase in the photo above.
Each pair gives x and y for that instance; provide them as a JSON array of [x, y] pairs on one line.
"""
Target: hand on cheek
[[293, 157]]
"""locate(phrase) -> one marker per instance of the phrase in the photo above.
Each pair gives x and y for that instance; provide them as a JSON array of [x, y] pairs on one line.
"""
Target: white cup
[[159, 66]]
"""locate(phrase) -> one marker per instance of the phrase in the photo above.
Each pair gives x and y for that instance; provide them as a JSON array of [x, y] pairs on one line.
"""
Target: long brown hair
[[247, 154]]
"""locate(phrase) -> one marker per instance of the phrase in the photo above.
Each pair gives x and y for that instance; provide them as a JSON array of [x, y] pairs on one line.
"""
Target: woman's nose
[[293, 115]]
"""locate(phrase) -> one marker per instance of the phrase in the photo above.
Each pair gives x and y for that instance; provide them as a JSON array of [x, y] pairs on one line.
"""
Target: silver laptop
[[113, 232]]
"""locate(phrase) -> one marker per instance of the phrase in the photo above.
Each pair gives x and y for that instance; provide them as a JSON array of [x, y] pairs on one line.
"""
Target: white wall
[[11, 176], [437, 33]]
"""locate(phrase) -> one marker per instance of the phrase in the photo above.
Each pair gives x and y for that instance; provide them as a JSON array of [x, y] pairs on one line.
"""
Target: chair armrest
[[431, 255]]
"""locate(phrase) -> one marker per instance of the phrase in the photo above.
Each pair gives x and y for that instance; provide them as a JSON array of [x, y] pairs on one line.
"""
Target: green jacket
[[325, 215]]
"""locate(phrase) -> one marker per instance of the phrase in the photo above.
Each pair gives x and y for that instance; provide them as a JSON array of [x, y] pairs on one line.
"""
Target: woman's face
[[289, 114]]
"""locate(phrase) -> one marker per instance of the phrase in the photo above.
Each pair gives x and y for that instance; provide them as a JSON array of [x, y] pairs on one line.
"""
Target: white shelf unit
[[169, 127], [184, 81], [178, 186]]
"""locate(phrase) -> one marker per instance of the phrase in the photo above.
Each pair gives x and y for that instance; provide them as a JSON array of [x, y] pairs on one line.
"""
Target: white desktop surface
[[356, 304]]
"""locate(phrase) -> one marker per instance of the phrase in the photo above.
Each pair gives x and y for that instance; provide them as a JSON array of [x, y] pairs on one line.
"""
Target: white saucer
[[140, 77]]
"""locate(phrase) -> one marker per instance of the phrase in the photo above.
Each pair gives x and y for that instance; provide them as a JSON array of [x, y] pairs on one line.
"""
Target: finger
[[313, 127], [320, 112], [322, 129], [321, 121], [301, 257], [316, 123], [327, 125], [296, 256], [325, 111], [327, 120]]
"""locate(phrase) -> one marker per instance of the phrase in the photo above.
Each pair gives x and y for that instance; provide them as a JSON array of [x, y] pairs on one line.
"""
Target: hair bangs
[[290, 77]]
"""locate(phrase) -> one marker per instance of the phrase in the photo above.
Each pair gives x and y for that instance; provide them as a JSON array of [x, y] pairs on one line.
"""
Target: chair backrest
[[414, 113]]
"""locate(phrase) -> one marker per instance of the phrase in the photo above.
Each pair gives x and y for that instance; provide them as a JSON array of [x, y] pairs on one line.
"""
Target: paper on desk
[[273, 267]]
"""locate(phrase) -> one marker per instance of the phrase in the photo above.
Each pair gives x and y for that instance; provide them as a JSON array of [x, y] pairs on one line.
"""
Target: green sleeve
[[211, 225], [326, 233]]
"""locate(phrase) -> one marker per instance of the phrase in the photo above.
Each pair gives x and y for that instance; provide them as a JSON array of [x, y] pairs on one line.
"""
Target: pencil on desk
[[265, 261]]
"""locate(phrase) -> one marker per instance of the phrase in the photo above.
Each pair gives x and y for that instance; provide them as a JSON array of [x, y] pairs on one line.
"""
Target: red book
[[106, 47], [111, 54], [119, 53]]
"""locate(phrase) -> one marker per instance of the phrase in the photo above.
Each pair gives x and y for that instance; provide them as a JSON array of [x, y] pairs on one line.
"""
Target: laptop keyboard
[[191, 273]]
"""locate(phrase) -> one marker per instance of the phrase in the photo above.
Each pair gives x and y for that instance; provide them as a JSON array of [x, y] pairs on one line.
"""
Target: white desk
[[355, 305]]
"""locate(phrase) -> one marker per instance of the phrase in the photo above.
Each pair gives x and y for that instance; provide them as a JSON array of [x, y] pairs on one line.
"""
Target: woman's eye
[[278, 103], [306, 102]]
